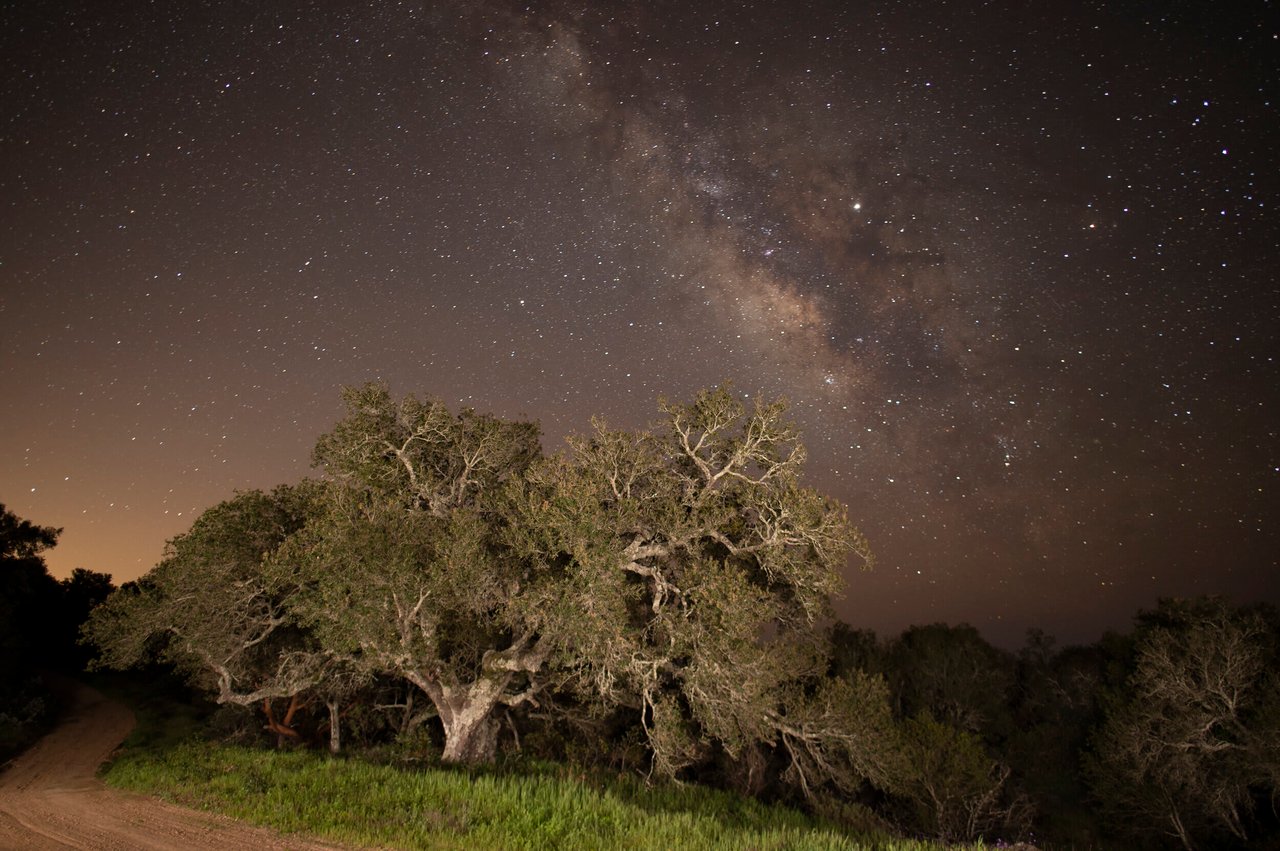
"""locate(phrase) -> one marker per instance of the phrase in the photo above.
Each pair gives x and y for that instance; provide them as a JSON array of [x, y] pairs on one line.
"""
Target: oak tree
[[210, 608], [404, 570], [1197, 730], [695, 572]]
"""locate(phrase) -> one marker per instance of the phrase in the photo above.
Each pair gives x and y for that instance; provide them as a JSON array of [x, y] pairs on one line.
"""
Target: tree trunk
[[282, 729], [1181, 829], [466, 712], [472, 736], [335, 727]]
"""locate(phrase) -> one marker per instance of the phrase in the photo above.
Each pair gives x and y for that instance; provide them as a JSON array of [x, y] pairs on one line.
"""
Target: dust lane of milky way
[[1013, 268]]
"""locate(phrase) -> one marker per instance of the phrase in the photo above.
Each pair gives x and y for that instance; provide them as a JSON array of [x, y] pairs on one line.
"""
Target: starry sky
[[1013, 264]]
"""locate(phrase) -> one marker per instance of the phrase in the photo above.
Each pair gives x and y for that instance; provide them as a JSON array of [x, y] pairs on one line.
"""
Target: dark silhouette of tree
[[1057, 703], [78, 595], [39, 623], [954, 675], [1194, 736], [22, 539], [27, 594]]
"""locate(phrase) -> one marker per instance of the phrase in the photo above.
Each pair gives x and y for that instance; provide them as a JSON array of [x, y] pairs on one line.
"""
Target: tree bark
[[472, 737], [283, 729], [470, 729], [466, 713], [335, 727], [467, 710]]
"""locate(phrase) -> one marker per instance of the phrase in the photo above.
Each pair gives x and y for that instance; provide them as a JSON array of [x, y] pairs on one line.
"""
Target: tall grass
[[363, 803]]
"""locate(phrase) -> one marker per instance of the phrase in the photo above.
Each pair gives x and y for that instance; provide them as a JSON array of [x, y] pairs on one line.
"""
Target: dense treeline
[[40, 620], [1168, 736], [658, 602]]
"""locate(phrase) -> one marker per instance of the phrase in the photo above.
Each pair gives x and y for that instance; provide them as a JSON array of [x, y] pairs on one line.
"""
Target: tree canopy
[[681, 573], [695, 570], [404, 567], [210, 608]]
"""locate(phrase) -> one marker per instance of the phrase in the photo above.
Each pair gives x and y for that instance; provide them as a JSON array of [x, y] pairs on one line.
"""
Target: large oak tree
[[682, 573], [405, 570], [694, 572]]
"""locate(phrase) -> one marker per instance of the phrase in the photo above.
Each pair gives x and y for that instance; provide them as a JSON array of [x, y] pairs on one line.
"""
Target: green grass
[[363, 803], [411, 806]]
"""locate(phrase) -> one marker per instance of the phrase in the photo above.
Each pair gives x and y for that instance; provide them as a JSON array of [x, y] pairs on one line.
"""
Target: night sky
[[1013, 264]]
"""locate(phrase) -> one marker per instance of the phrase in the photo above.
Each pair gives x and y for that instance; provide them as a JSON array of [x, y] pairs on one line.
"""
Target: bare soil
[[50, 797]]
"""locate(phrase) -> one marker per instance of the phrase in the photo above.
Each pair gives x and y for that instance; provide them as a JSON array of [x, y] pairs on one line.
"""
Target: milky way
[[1012, 267]]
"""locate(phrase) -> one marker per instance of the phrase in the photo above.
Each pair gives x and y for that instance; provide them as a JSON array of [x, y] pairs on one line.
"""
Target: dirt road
[[50, 798]]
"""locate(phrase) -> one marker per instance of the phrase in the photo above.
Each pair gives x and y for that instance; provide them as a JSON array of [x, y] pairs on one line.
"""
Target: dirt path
[[50, 798]]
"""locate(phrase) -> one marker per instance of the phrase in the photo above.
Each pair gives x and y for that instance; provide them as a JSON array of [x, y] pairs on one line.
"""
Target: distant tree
[[84, 589], [1196, 732], [22, 539], [210, 608], [78, 595], [953, 674], [1057, 704], [952, 789], [855, 650]]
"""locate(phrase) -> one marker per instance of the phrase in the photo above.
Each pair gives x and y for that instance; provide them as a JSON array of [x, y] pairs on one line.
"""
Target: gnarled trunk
[[283, 728], [466, 712], [472, 736], [470, 728], [467, 709]]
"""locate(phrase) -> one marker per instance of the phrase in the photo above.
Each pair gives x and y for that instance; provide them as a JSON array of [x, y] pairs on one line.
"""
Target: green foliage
[[404, 569], [210, 609], [696, 569], [416, 454], [953, 790]]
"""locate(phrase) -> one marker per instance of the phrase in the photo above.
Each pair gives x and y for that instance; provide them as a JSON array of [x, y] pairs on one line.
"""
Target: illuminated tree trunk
[[467, 715], [470, 729], [472, 736], [335, 726]]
